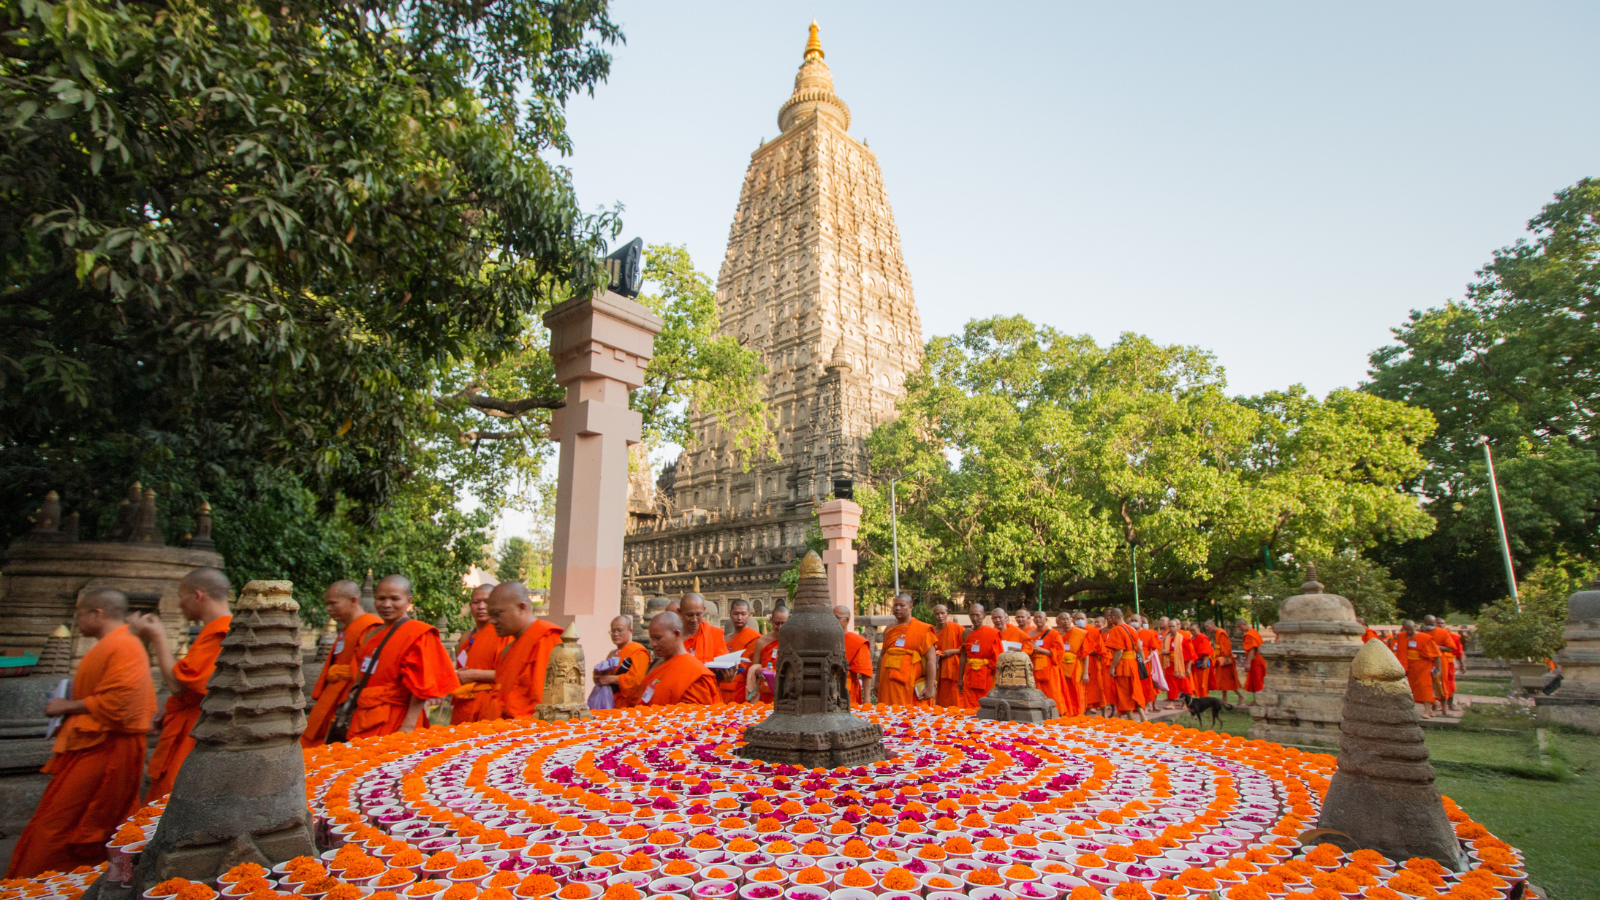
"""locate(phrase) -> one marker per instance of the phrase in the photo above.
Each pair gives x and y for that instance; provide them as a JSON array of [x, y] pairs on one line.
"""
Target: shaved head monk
[[520, 672], [343, 599], [764, 655], [1255, 668], [1127, 688], [1049, 649], [976, 614], [477, 654], [982, 652], [626, 676], [739, 640], [1417, 651], [404, 663], [677, 677], [947, 651], [857, 657], [203, 598], [699, 636], [908, 669], [98, 757]]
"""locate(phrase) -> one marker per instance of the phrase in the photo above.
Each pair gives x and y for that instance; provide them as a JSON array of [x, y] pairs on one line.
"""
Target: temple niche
[[813, 279]]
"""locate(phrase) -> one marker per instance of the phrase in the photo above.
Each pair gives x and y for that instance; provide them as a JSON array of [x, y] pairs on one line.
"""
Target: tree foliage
[[1518, 361], [1532, 626], [1367, 585], [1022, 447]]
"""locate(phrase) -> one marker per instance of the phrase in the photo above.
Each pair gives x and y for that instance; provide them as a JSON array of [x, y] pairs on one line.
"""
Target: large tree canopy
[[1022, 447], [1518, 361]]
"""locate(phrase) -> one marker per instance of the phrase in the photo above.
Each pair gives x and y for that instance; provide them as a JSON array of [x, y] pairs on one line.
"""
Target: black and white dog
[[1199, 705]]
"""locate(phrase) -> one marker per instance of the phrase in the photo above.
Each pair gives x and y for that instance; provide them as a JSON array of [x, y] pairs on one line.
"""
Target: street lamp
[[1500, 522]]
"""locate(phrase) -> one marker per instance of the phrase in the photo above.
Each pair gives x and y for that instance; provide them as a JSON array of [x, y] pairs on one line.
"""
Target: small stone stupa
[[1577, 701], [811, 724], [1317, 635], [563, 682], [1015, 697], [241, 794], [1382, 796]]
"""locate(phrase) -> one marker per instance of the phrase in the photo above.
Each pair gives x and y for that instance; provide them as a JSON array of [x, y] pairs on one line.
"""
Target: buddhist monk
[[405, 663], [1420, 655], [857, 656], [1175, 661], [1048, 649], [203, 598], [1255, 668], [477, 653], [764, 656], [1150, 649], [735, 689], [1200, 666], [1094, 684], [1452, 656], [982, 646], [1224, 672], [678, 677], [1367, 634], [1074, 667], [908, 670], [976, 617], [343, 599], [1127, 687], [633, 662], [1012, 633], [97, 760], [947, 650], [521, 670], [701, 638], [1066, 665]]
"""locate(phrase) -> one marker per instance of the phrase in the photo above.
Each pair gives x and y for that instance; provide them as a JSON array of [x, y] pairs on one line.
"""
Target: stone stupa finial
[[1311, 585], [813, 44]]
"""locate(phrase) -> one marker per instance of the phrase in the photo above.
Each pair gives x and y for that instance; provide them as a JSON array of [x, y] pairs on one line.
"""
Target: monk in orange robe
[[1094, 697], [982, 646], [1452, 653], [702, 639], [521, 669], [1224, 672], [1073, 665], [405, 664], [1128, 688], [1255, 673], [763, 655], [908, 671], [477, 653], [1420, 655], [1150, 649], [1368, 634], [1010, 632], [1200, 664], [628, 679], [97, 760], [947, 650], [678, 677], [343, 599], [1048, 649], [202, 597], [857, 657], [736, 690], [1175, 660]]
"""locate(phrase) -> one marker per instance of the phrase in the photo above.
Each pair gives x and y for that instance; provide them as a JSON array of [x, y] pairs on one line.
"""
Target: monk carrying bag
[[339, 728]]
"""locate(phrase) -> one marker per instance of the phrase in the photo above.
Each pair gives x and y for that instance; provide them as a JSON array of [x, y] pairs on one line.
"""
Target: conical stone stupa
[[811, 724]]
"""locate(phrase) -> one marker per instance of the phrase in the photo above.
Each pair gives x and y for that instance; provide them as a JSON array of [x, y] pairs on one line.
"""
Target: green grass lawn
[[1485, 687], [1546, 807]]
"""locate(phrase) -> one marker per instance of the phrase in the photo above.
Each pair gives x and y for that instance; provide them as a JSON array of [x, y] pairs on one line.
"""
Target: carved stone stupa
[[1318, 635], [564, 698], [1014, 697], [811, 724], [1577, 701], [1383, 797]]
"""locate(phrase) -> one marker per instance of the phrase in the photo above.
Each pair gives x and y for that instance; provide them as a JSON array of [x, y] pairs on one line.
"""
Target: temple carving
[[814, 280]]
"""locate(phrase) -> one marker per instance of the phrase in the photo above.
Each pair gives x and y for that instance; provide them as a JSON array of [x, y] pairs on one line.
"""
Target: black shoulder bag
[[339, 728], [1138, 654]]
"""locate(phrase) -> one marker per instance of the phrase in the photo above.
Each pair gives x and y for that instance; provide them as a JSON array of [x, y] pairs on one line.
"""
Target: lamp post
[[1133, 555], [1500, 522], [894, 530]]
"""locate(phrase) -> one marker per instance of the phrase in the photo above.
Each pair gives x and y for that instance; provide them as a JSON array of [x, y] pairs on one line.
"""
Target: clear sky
[[1279, 183]]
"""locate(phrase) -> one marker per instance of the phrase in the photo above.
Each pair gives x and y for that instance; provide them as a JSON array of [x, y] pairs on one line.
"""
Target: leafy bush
[[1532, 631]]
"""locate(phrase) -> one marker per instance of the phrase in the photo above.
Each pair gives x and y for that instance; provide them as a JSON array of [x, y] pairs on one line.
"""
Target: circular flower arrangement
[[652, 803]]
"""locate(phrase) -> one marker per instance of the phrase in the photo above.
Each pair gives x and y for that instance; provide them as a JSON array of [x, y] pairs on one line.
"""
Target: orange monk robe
[[1224, 674], [983, 654], [858, 661], [769, 659], [337, 677], [1072, 667], [1047, 651], [193, 673], [734, 691], [414, 664], [1149, 643], [97, 761], [904, 663], [478, 701], [1256, 678], [1127, 688], [949, 638], [1017, 636], [706, 644], [630, 684], [1200, 666], [1094, 689], [1108, 690], [681, 679], [1417, 653], [520, 672], [1452, 652], [1368, 635]]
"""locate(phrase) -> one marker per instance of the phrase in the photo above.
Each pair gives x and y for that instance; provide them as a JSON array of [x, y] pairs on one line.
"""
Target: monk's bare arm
[[466, 675], [148, 628], [930, 675], [413, 712], [58, 707]]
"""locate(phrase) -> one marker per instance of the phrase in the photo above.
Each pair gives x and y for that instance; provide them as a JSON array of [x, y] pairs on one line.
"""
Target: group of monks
[[1431, 655]]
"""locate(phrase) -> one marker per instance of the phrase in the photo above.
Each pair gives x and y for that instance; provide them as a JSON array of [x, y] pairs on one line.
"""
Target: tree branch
[[502, 409]]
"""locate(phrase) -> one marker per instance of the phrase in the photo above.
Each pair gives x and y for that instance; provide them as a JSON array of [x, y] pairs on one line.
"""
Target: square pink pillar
[[600, 346], [840, 520]]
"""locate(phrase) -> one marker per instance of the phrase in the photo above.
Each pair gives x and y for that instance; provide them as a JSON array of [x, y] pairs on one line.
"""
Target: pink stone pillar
[[840, 519], [600, 346]]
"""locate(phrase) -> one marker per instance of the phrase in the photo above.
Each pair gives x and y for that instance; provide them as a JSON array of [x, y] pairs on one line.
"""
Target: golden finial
[[811, 566], [813, 44]]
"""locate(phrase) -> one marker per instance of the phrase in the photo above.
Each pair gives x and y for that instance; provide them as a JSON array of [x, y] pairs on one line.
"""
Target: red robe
[[414, 664], [1126, 686], [1047, 651], [983, 655], [193, 673], [1452, 653], [681, 679], [1256, 678], [904, 663], [478, 701], [97, 761], [521, 669], [334, 684], [1094, 690], [1175, 663], [1224, 674], [1201, 664], [735, 691], [949, 638], [631, 683]]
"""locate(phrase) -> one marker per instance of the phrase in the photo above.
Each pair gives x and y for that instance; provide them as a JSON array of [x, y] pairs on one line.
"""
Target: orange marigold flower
[[622, 891], [678, 867], [503, 879], [382, 895], [993, 844], [856, 849], [1119, 853], [855, 876], [424, 888], [1085, 892], [811, 875], [459, 891], [601, 860], [704, 842], [958, 844], [406, 858], [1090, 861], [365, 867], [574, 892], [471, 868], [1130, 890], [1197, 878], [639, 862], [1245, 892], [898, 879], [494, 893], [743, 845], [252, 870], [984, 877], [197, 892], [1408, 882], [780, 848], [770, 873], [1020, 872], [633, 832], [537, 886], [875, 829], [444, 859]]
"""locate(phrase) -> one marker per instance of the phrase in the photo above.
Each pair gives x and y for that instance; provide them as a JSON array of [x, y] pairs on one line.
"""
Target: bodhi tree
[[1022, 448]]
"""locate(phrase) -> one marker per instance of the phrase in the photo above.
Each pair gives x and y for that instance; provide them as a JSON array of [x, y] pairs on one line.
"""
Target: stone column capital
[[603, 336]]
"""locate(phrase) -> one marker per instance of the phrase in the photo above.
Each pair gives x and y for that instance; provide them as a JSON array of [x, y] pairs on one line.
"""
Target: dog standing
[[1199, 705]]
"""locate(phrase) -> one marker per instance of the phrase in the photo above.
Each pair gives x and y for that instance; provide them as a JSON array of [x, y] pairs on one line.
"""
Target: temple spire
[[813, 44], [813, 91]]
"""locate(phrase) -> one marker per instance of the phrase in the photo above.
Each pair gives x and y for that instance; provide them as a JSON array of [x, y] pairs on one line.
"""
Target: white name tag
[[900, 642], [974, 649], [338, 646], [368, 663], [461, 660], [649, 692]]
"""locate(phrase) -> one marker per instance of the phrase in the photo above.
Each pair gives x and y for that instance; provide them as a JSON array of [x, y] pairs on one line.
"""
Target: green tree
[[1065, 453], [1518, 361], [515, 559], [1366, 584], [1532, 626]]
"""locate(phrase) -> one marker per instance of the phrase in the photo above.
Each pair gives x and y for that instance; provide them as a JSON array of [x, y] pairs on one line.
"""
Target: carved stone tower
[[813, 279], [811, 723]]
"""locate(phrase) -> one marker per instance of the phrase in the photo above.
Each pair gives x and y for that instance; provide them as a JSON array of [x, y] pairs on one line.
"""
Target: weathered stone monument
[[1015, 698], [1318, 635], [811, 724], [564, 697], [1383, 797], [1577, 701], [241, 794]]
